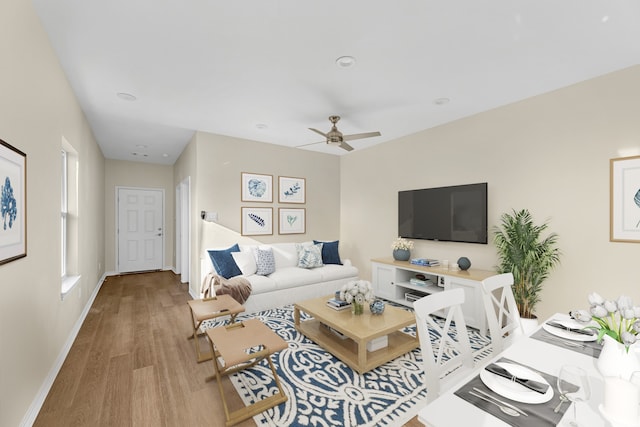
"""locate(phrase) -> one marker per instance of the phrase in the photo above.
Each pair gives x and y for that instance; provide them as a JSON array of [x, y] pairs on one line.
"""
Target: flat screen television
[[453, 214]]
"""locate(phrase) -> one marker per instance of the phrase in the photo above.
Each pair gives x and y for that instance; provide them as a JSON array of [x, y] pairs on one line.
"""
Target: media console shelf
[[391, 281]]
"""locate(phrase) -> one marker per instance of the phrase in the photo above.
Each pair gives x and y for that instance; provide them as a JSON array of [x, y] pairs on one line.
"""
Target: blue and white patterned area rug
[[323, 391]]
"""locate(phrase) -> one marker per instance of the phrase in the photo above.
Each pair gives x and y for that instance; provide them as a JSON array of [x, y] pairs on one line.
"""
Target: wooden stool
[[211, 308], [240, 346]]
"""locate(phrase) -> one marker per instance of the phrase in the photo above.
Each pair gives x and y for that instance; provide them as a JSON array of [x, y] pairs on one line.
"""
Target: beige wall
[[549, 154], [38, 109], [120, 173], [220, 162]]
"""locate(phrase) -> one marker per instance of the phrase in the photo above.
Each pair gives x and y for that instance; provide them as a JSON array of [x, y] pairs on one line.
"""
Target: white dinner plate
[[512, 390], [568, 335]]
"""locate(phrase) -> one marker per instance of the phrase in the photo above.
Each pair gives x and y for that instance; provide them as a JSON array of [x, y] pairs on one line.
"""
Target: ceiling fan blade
[[317, 131], [346, 146], [360, 136]]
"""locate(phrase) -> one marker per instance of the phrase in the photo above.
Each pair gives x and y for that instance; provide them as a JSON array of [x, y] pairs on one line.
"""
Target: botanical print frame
[[13, 203], [625, 199], [257, 187], [257, 221], [292, 221], [291, 189]]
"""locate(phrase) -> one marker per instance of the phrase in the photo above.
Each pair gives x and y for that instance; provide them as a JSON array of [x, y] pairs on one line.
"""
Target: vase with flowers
[[618, 325], [402, 249], [357, 293]]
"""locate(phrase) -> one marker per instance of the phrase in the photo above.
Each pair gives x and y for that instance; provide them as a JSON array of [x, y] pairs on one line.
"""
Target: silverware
[[506, 409], [567, 328], [563, 399], [500, 401], [563, 341]]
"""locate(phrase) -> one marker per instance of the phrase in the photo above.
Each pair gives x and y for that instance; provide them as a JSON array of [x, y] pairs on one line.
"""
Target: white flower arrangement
[[357, 291], [619, 319], [401, 243]]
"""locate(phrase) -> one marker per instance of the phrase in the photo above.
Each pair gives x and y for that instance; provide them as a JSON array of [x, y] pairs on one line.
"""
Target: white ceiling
[[226, 67]]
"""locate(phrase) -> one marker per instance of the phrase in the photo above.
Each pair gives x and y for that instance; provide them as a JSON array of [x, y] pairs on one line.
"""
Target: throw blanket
[[238, 287]]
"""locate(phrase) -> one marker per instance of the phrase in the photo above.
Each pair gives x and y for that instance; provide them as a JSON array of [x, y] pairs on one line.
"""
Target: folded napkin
[[530, 384], [567, 328]]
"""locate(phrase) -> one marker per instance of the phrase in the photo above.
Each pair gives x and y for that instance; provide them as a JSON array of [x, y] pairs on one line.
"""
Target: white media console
[[391, 281]]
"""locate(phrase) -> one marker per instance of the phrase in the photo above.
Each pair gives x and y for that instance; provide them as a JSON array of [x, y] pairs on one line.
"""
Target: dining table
[[544, 351]]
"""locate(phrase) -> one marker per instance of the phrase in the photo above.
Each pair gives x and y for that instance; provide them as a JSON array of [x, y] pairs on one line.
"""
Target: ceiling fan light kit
[[335, 137]]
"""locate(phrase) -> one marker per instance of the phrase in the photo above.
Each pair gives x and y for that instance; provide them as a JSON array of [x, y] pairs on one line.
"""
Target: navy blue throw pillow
[[224, 263], [330, 254]]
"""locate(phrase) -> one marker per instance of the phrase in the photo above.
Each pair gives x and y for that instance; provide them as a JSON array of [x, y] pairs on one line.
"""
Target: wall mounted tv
[[454, 214]]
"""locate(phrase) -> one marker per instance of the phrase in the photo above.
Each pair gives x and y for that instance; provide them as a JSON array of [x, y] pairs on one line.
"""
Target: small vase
[[401, 254], [357, 309], [376, 307], [615, 361]]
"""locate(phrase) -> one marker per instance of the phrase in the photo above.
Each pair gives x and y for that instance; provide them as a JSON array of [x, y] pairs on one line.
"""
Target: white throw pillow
[[246, 262], [265, 262]]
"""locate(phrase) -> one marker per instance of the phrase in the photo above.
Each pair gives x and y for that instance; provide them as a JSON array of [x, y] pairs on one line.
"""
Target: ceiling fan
[[335, 137]]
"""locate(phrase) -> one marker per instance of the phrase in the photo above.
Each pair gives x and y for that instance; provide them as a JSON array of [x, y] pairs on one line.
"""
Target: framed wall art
[[257, 188], [292, 221], [625, 199], [291, 190], [257, 221], [13, 203]]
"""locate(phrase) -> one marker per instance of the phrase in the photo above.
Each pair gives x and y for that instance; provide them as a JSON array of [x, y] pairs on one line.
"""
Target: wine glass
[[573, 383]]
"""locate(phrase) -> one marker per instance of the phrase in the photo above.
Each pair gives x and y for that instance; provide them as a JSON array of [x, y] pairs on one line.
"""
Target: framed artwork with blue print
[[292, 221], [256, 187], [13, 203], [257, 221], [291, 190], [625, 199]]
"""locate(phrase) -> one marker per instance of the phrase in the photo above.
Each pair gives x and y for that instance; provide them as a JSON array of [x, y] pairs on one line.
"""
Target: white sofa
[[288, 283]]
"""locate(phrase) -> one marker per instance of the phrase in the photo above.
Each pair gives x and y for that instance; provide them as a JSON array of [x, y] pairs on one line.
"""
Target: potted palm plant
[[526, 253]]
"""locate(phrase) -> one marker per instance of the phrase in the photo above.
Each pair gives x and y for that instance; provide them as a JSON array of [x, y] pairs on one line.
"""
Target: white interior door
[[140, 229]]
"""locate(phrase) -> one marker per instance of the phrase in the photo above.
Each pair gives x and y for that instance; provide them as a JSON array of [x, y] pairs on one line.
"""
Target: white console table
[[390, 280]]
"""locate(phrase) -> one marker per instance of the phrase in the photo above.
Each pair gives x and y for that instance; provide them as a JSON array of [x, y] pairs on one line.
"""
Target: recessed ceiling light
[[141, 146], [165, 155], [345, 61], [126, 96], [261, 126], [441, 101], [604, 19]]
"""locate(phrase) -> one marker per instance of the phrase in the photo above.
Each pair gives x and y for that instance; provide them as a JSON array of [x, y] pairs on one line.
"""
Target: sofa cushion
[[261, 284], [330, 254], [309, 256], [291, 277], [246, 262], [334, 272], [265, 262], [223, 261]]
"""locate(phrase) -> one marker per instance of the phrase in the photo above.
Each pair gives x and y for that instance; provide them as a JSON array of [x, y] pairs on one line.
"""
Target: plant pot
[[529, 324], [616, 361], [401, 254]]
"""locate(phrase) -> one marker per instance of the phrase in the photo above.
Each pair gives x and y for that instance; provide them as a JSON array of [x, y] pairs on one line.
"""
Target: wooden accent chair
[[446, 359], [239, 346]]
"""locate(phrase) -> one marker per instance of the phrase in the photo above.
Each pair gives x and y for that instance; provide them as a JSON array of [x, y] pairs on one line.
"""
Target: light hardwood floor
[[132, 364]]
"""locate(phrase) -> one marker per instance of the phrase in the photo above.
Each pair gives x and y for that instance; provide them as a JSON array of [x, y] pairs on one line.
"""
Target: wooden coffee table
[[359, 330]]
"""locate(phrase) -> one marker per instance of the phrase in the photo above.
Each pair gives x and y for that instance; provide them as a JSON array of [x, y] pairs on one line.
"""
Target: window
[[68, 218]]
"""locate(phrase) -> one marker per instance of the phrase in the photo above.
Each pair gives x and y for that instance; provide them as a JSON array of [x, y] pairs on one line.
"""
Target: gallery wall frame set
[[291, 189], [257, 187], [625, 199], [13, 203], [291, 221], [257, 221]]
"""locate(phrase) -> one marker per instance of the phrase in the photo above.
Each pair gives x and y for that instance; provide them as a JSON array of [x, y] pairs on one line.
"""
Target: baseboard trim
[[38, 401]]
